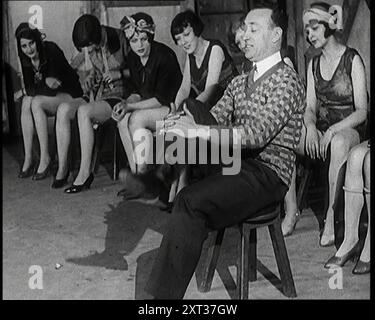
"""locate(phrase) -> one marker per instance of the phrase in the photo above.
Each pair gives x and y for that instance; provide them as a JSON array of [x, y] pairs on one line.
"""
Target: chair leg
[[243, 262], [208, 266], [115, 156], [304, 186], [253, 255], [95, 152], [282, 259]]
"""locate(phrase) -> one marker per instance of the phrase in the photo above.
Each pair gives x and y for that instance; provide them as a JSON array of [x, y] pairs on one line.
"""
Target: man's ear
[[277, 34]]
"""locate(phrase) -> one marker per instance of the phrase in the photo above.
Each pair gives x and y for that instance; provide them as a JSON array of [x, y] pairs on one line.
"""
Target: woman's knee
[[137, 120], [340, 145], [36, 104], [84, 112], [64, 113]]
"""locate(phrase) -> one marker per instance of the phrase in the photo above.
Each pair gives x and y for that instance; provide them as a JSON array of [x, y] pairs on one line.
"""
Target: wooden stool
[[247, 257]]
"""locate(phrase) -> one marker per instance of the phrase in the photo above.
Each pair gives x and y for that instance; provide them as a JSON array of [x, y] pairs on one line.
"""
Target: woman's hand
[[87, 84], [324, 143], [312, 142], [53, 83], [119, 111], [182, 124], [111, 75]]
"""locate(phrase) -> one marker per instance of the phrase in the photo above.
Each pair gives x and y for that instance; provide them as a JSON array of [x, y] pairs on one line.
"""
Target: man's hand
[[87, 84], [110, 76], [182, 124], [119, 111], [53, 83], [312, 142]]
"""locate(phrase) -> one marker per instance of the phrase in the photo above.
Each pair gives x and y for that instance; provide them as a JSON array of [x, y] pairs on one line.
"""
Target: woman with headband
[[336, 103], [50, 82], [155, 77], [107, 50]]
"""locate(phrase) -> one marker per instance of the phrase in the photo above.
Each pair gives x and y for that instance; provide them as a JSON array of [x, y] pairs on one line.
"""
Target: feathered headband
[[129, 26], [315, 15]]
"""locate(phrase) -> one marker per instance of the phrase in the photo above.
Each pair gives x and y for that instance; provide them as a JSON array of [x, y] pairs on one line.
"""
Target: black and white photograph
[[210, 151]]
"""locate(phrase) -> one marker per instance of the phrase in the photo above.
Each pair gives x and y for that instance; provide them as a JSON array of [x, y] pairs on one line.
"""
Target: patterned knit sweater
[[268, 114]]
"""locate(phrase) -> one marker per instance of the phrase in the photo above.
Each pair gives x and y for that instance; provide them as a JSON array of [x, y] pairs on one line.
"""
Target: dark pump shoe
[[361, 267], [78, 188], [335, 262], [44, 174], [27, 173], [59, 183]]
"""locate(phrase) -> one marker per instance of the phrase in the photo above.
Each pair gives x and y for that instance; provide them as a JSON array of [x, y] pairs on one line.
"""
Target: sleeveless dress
[[335, 96], [199, 75]]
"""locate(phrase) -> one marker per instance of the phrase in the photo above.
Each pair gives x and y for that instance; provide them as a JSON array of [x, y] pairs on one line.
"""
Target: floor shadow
[[126, 225]]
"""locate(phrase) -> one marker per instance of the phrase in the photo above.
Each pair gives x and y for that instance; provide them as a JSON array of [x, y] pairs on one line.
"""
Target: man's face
[[259, 35]]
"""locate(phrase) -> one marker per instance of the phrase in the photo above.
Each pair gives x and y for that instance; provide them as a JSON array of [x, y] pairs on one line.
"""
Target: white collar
[[266, 64]]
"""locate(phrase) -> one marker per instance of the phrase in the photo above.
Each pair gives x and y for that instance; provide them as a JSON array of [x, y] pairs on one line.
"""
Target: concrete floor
[[106, 246]]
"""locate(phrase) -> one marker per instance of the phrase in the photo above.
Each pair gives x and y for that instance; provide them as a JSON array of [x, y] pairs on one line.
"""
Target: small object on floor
[[289, 223], [58, 266]]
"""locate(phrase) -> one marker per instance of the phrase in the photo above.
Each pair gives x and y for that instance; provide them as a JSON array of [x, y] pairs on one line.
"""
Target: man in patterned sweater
[[266, 107]]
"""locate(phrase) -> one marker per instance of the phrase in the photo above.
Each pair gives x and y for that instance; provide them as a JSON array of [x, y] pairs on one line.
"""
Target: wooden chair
[[247, 253]]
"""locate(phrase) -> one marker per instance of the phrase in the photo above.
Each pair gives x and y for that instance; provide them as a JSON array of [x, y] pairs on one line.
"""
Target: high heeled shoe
[[335, 261], [27, 173], [80, 187], [44, 174], [288, 226], [361, 267], [59, 183]]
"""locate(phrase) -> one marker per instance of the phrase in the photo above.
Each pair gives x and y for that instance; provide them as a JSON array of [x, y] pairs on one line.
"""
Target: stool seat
[[265, 215], [247, 253]]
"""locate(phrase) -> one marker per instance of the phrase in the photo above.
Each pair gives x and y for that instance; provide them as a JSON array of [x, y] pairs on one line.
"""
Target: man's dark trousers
[[216, 202]]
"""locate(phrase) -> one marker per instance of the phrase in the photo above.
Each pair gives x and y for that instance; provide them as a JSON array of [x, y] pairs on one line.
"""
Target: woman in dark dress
[[336, 104], [49, 82], [155, 77]]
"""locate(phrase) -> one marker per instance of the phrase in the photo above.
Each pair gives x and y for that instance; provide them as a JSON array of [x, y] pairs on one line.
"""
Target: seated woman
[[49, 83], [357, 191], [208, 70], [155, 77], [107, 50], [336, 104]]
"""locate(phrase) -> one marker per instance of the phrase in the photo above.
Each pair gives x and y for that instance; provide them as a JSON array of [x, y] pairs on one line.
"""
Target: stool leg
[[115, 156], [208, 267], [282, 259], [253, 255], [243, 262]]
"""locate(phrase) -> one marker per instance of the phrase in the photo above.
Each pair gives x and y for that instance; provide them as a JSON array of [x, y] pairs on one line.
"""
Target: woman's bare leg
[[66, 112], [365, 254], [27, 125], [142, 120], [290, 201], [43, 106], [354, 199], [340, 146], [87, 113]]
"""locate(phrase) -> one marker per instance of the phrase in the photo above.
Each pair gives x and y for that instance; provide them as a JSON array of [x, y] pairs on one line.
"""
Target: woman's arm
[[360, 98], [214, 69], [151, 103], [184, 90], [311, 107]]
